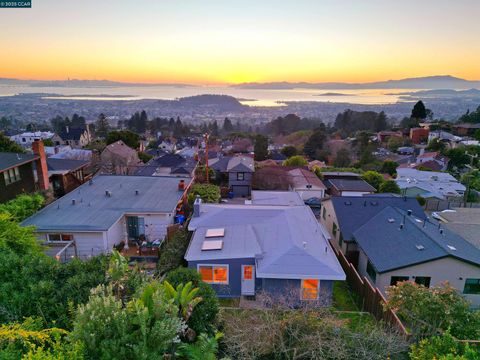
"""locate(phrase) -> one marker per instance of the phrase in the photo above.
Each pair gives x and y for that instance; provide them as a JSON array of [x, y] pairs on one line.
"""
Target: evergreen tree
[[102, 126], [419, 111], [315, 142], [227, 125], [261, 147]]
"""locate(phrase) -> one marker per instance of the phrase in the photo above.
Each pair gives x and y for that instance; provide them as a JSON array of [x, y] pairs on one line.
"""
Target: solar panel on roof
[[220, 232], [212, 245]]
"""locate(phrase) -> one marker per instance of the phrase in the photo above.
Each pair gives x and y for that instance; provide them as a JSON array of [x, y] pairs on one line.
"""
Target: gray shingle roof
[[351, 185], [354, 211], [9, 160], [390, 247], [287, 241], [54, 164], [94, 211]]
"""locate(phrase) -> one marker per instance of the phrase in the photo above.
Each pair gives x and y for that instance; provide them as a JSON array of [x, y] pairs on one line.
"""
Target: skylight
[[220, 232], [212, 245]]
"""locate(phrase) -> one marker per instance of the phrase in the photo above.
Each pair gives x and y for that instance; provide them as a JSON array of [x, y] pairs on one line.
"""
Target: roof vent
[[401, 226], [391, 220], [73, 201], [441, 231], [409, 212], [420, 247], [451, 247], [108, 193], [137, 192], [304, 244]]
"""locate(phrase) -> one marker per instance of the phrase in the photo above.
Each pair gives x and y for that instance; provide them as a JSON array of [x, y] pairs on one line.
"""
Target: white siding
[[88, 243], [447, 269], [155, 224]]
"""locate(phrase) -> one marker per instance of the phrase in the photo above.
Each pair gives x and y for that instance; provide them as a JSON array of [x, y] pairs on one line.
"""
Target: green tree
[[22, 206], [227, 125], [260, 147], [209, 193], [102, 126], [436, 145], [389, 167], [148, 323], [394, 143], [419, 111], [7, 145], [458, 158], [205, 314], [373, 178], [144, 157], [342, 159], [129, 138], [426, 311], [442, 347], [296, 160], [172, 252], [315, 142], [389, 186], [289, 151]]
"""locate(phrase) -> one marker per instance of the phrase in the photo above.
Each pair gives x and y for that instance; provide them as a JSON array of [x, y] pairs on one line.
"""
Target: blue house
[[246, 249], [237, 171]]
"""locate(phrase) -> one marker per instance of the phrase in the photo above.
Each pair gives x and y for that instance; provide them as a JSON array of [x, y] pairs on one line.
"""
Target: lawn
[[343, 298]]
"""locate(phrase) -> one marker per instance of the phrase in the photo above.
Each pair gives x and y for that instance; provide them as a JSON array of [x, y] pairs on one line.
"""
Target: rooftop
[[232, 164], [392, 240], [354, 211], [301, 178], [61, 166], [351, 185], [89, 208], [9, 160], [286, 198], [287, 241]]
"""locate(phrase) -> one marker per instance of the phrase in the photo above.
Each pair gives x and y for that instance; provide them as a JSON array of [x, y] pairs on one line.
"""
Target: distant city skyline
[[222, 42]]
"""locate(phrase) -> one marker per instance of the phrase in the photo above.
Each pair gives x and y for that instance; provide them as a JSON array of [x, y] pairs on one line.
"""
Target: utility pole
[[206, 136]]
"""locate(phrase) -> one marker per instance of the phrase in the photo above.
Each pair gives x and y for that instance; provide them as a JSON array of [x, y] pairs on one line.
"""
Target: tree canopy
[[129, 138]]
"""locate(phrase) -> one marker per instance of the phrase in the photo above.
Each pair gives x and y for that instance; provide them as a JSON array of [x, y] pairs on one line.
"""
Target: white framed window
[[214, 273], [240, 176], [310, 289], [59, 237], [11, 175]]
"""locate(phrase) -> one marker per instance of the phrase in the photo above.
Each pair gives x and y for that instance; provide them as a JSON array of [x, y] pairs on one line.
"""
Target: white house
[[27, 138], [108, 210]]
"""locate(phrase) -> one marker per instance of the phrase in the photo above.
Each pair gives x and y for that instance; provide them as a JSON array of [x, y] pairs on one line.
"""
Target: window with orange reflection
[[220, 274], [214, 274], [206, 273], [310, 289], [248, 272]]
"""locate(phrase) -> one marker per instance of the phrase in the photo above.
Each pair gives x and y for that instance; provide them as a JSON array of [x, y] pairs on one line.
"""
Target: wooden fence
[[372, 300]]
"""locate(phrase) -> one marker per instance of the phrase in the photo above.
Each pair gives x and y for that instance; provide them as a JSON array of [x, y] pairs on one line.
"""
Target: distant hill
[[427, 82], [223, 102], [80, 83]]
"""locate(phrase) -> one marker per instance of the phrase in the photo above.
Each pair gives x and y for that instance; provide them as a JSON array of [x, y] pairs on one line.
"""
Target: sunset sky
[[224, 41]]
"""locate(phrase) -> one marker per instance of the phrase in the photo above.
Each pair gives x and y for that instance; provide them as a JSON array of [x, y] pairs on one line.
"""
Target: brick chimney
[[41, 163]]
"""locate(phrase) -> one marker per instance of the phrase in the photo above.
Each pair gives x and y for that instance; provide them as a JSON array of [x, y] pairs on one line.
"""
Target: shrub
[[173, 251], [296, 160], [144, 157], [442, 347], [205, 313], [389, 186], [23, 206], [209, 193]]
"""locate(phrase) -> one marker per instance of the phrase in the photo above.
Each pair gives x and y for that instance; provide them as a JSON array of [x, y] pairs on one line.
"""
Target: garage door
[[241, 190]]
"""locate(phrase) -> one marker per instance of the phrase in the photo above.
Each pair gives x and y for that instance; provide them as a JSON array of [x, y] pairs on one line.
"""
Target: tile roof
[[9, 160], [286, 241], [352, 212], [390, 246], [94, 211]]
